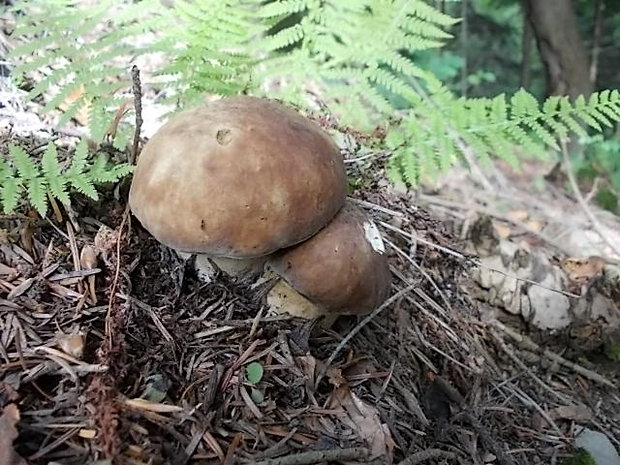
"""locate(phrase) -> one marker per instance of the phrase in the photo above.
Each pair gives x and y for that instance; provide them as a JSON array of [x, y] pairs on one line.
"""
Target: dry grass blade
[[143, 404]]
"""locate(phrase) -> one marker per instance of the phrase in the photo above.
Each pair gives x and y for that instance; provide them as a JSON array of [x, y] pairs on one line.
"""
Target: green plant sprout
[[40, 179], [254, 374]]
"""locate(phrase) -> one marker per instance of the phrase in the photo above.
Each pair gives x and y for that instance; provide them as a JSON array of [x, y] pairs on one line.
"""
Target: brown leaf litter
[[132, 359], [8, 433]]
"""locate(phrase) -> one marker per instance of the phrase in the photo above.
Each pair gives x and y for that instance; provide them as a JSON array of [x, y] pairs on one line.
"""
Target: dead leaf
[[335, 377], [82, 115], [517, 215], [572, 412], [364, 420], [7, 394], [72, 344], [581, 271], [8, 433], [307, 365], [214, 445], [87, 433], [121, 111], [535, 225], [502, 230]]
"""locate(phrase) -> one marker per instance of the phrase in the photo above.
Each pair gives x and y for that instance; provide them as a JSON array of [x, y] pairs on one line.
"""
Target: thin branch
[[530, 345], [473, 261], [317, 456], [137, 103], [568, 167], [358, 328], [426, 455]]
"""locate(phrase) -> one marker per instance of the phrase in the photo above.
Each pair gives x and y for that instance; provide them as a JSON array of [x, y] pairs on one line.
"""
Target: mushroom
[[237, 179], [341, 270]]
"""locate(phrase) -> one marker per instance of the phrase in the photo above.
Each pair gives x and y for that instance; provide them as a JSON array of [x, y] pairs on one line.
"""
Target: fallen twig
[[137, 103], [568, 167], [471, 260], [428, 454], [528, 344], [317, 456], [358, 327]]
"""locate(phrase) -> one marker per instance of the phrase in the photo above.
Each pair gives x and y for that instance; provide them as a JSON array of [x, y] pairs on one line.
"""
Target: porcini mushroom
[[237, 178], [343, 269]]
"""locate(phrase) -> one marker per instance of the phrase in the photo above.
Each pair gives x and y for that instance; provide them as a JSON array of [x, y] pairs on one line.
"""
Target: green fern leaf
[[9, 194], [411, 167], [56, 182], [79, 160], [102, 172], [37, 194], [25, 166], [6, 171], [84, 186]]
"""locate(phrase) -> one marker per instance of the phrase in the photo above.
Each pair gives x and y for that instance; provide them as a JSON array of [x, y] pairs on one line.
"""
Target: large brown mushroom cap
[[343, 269], [240, 177]]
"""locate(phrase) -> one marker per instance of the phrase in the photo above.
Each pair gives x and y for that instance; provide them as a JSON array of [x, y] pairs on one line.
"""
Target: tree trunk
[[526, 51], [562, 51]]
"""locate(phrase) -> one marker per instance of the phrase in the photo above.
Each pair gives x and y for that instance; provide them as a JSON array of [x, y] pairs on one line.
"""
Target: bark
[[561, 49], [596, 39], [464, 45], [526, 52]]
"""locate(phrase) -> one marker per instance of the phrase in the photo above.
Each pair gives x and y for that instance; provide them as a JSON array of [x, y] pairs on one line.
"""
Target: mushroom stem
[[282, 298], [233, 267]]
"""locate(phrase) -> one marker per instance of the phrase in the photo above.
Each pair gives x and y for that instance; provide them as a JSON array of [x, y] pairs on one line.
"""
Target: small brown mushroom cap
[[240, 177], [343, 269]]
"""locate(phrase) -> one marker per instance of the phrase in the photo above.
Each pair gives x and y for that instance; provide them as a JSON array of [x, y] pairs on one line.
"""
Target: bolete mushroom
[[238, 178], [341, 270]]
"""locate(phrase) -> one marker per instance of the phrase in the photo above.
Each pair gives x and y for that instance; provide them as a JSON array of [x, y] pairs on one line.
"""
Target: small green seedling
[[581, 457], [254, 374]]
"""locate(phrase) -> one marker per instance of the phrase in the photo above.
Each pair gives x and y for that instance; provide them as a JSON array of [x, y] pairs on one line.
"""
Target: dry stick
[[495, 214], [317, 456], [528, 344], [357, 329], [526, 369], [426, 455], [137, 103], [473, 261], [573, 183], [53, 445], [117, 272], [421, 271]]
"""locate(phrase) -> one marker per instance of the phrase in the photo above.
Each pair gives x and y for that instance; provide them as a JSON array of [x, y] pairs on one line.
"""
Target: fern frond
[[101, 172], [29, 176], [56, 182], [37, 194], [80, 159], [75, 47], [490, 126], [214, 53], [333, 48], [40, 178], [84, 186], [25, 166], [9, 194]]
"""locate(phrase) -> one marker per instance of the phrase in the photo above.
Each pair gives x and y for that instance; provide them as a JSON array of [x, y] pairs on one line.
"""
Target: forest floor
[[133, 357], [498, 346]]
